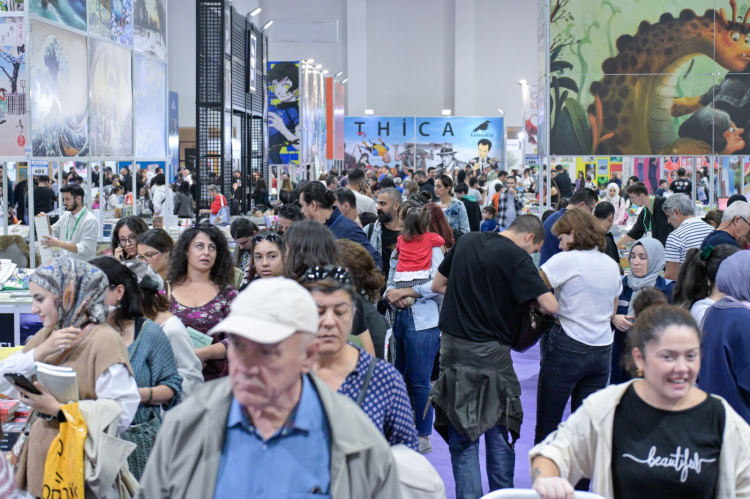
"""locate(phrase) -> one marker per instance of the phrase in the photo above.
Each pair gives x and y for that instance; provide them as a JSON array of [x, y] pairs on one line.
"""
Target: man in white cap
[[271, 429]]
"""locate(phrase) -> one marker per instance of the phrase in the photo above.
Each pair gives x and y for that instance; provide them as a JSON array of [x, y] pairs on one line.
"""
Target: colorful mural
[[283, 112], [112, 19], [643, 78]]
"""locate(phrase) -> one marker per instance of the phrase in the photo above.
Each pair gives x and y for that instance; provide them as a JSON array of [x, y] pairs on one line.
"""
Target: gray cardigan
[[185, 460]]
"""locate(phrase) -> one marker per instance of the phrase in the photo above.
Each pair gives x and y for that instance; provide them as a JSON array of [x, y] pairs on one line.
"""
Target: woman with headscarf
[[621, 209], [68, 297], [647, 260], [725, 346]]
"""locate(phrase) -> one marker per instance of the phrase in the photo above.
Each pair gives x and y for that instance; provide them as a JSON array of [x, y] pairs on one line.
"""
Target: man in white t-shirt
[[357, 184], [690, 231]]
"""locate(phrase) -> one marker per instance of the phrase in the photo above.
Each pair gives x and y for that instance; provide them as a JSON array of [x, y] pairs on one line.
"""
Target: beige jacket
[[105, 455], [185, 460], [582, 446]]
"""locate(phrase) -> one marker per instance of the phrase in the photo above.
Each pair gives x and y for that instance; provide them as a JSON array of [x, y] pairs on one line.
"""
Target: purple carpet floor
[[527, 368]]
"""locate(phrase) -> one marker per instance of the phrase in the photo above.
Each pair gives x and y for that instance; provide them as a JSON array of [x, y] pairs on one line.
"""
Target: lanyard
[[650, 218], [67, 237]]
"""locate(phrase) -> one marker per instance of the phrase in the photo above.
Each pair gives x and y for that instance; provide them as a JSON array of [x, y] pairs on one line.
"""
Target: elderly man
[[689, 232], [735, 224], [271, 429], [219, 201]]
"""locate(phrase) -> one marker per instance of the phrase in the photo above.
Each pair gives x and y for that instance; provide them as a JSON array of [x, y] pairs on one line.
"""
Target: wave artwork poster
[[59, 98], [112, 19], [151, 27], [71, 13], [111, 100], [13, 85], [150, 107]]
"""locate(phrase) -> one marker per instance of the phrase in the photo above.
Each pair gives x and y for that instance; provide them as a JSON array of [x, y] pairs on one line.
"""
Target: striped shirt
[[690, 234]]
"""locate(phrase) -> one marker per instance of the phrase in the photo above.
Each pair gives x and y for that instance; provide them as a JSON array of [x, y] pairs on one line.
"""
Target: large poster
[[11, 5], [649, 78], [111, 100], [283, 112], [420, 143], [174, 133], [59, 98], [68, 12], [112, 19], [13, 87], [150, 104], [150, 34]]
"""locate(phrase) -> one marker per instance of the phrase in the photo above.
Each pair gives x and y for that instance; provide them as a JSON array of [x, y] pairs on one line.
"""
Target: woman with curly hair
[[200, 289], [125, 237]]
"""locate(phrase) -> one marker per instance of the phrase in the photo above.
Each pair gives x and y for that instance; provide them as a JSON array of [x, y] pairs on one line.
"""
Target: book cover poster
[[284, 126], [111, 100], [59, 98], [150, 107], [150, 35], [71, 13], [112, 19], [13, 87]]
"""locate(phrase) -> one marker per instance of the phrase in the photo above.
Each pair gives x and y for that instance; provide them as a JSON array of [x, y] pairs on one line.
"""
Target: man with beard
[[77, 230], [384, 233]]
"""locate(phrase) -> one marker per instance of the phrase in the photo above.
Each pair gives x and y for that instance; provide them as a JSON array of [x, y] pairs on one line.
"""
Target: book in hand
[[200, 340], [61, 382]]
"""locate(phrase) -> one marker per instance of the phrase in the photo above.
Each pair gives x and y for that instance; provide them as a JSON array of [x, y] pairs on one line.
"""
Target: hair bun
[[706, 253]]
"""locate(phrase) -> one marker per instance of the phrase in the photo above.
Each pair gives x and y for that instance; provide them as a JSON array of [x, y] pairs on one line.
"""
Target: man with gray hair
[[271, 428], [734, 227], [219, 201], [383, 234], [689, 232]]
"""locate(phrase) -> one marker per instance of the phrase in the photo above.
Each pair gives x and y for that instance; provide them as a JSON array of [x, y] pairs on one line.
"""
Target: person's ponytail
[[692, 281]]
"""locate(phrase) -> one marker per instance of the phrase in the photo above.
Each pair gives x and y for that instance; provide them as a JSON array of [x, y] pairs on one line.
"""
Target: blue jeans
[[501, 461], [570, 369], [415, 354]]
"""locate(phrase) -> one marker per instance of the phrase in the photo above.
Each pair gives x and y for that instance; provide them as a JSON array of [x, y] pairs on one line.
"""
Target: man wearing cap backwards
[[271, 429]]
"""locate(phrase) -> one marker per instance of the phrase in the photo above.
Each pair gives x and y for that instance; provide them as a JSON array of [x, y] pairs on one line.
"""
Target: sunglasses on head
[[322, 272], [271, 237]]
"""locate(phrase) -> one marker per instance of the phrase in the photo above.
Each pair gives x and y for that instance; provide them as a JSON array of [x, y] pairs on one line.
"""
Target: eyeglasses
[[271, 237], [148, 256], [130, 240], [743, 219], [321, 272]]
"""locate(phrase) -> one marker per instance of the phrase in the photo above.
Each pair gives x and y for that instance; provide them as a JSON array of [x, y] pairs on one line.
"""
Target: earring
[[639, 372], [118, 303]]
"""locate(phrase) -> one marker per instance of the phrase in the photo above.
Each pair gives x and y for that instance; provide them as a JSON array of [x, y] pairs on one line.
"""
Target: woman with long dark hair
[[151, 358], [154, 248], [266, 257], [455, 211], [696, 288], [440, 226], [260, 195], [125, 237], [200, 289], [183, 201]]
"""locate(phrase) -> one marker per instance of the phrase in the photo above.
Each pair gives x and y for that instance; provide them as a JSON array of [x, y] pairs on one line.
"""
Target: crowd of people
[[375, 311]]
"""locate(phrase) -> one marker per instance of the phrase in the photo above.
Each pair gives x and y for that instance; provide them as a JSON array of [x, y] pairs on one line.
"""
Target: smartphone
[[22, 381], [362, 184]]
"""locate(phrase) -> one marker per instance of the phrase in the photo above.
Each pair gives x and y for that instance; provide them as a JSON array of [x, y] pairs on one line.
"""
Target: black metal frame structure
[[220, 88]]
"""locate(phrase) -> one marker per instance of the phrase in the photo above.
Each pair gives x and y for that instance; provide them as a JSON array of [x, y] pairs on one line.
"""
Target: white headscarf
[[615, 200]]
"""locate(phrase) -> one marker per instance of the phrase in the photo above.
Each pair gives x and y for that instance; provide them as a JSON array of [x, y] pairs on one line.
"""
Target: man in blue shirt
[[583, 198], [318, 204], [271, 429], [735, 224]]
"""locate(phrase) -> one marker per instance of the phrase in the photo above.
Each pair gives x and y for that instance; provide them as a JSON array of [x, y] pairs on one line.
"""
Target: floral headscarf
[[79, 288]]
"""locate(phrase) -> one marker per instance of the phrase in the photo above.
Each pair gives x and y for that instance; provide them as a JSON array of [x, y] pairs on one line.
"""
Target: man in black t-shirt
[[564, 184], [383, 233], [488, 280], [44, 197], [652, 221], [682, 185]]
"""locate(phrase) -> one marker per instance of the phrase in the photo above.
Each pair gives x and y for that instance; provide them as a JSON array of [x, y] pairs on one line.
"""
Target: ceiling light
[[339, 74], [255, 12], [325, 71], [501, 111], [523, 82], [267, 25], [345, 80], [309, 61], [520, 135], [369, 111], [446, 112], [318, 66]]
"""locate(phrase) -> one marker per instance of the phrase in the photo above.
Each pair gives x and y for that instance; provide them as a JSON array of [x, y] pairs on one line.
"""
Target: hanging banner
[[12, 87], [174, 134], [530, 124], [420, 143], [283, 112]]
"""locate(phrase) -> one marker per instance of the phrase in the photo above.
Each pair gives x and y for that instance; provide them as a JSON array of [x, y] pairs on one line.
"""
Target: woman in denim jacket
[[417, 338], [454, 209]]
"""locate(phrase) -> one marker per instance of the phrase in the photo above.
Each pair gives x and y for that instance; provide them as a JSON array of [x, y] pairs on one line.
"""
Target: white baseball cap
[[271, 310]]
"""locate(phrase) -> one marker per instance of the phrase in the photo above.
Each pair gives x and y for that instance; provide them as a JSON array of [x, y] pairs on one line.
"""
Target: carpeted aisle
[[527, 369]]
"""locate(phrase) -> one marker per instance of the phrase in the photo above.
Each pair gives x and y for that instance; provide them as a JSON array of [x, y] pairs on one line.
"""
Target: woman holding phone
[[68, 297]]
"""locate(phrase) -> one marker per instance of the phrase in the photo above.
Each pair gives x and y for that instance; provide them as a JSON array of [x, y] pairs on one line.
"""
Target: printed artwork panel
[[112, 19], [111, 100], [150, 35], [59, 97], [150, 107], [13, 87], [71, 13]]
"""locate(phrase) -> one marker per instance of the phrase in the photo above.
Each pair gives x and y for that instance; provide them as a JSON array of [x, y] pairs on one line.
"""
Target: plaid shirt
[[502, 207]]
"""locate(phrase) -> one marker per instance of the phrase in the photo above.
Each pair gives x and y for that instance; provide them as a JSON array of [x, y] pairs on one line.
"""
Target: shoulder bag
[[533, 326]]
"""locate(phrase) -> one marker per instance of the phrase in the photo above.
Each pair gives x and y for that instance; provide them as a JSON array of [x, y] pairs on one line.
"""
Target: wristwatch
[[60, 417]]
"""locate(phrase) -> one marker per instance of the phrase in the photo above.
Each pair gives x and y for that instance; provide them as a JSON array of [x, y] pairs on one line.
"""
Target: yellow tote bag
[[63, 469]]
